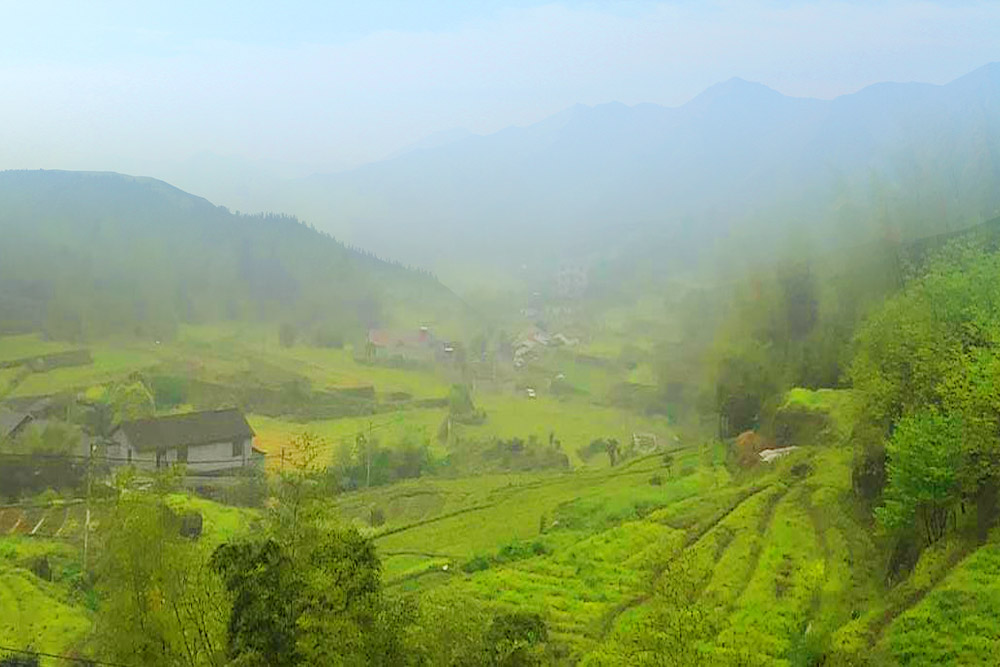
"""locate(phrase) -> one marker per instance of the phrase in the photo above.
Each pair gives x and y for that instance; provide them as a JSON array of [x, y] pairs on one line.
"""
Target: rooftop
[[193, 428]]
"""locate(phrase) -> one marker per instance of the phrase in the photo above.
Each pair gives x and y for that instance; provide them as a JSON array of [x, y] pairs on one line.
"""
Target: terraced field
[[775, 563], [63, 521]]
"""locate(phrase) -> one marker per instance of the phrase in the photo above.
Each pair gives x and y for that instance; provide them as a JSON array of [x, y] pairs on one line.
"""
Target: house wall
[[212, 457]]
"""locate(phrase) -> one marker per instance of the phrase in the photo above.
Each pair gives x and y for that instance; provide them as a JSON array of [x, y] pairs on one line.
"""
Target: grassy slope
[[43, 615], [956, 623], [49, 616], [787, 568], [234, 354], [37, 615], [27, 345], [588, 522]]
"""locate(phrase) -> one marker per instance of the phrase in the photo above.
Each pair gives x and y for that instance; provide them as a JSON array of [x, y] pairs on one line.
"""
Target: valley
[[690, 379]]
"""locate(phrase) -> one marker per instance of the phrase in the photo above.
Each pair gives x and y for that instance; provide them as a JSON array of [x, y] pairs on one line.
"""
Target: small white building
[[206, 442], [768, 455]]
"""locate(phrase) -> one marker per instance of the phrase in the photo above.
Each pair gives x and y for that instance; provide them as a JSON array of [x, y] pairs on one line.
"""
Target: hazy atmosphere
[[211, 94], [502, 334]]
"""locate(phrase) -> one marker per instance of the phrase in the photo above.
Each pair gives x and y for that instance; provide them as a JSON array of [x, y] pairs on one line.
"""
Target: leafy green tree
[[450, 629], [131, 400], [923, 466], [310, 594], [159, 602], [340, 621], [263, 624], [517, 639], [745, 380], [936, 345], [800, 299], [610, 447]]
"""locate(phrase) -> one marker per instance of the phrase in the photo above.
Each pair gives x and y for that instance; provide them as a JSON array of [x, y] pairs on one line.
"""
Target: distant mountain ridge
[[93, 253], [738, 161]]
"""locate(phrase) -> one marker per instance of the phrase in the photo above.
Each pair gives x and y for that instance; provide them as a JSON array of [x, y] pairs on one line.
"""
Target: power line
[[67, 658]]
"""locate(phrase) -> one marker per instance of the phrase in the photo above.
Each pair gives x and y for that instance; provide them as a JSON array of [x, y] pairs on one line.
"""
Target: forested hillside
[[87, 254]]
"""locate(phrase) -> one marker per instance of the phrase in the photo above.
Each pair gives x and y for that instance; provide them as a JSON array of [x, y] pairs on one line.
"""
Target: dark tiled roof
[[193, 428]]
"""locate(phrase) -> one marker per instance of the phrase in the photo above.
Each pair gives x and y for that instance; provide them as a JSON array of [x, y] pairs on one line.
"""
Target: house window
[[237, 448], [182, 454]]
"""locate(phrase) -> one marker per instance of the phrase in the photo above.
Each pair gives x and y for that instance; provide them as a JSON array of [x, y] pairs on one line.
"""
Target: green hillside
[[88, 254], [799, 468]]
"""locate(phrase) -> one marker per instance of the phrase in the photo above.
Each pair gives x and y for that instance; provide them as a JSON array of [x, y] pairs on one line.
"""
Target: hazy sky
[[329, 84]]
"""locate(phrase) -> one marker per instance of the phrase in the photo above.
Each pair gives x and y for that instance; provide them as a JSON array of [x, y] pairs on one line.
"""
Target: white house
[[207, 442]]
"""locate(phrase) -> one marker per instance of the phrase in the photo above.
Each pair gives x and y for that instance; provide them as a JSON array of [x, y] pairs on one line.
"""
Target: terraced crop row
[[64, 522], [575, 588]]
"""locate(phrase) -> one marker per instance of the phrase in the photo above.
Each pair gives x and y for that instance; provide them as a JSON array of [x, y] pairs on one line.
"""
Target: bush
[[519, 551], [516, 637], [191, 525], [41, 568], [587, 452], [476, 564], [169, 391]]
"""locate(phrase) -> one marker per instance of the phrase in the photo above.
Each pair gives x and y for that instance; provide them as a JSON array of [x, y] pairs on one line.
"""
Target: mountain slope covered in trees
[[88, 253]]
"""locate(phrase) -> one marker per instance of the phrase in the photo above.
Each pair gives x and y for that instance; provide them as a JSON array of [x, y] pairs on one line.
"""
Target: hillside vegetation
[[88, 255], [799, 468]]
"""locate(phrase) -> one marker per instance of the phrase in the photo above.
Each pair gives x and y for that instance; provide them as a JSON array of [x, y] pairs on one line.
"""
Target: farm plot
[[64, 521]]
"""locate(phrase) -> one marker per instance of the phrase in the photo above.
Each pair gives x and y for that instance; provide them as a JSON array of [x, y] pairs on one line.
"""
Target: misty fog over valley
[[500, 333]]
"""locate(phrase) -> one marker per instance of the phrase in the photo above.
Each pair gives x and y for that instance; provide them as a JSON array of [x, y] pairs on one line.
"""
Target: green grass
[[227, 354], [221, 352], [110, 363], [28, 345], [389, 428], [328, 368], [220, 522], [575, 423], [462, 518], [956, 623], [600, 548], [835, 402], [36, 614], [774, 609]]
